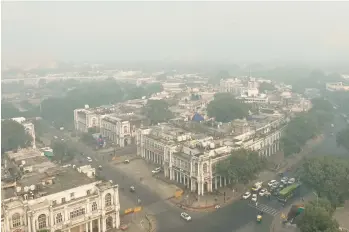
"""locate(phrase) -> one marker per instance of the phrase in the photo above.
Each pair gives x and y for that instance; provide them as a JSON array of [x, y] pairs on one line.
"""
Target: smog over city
[[174, 116]]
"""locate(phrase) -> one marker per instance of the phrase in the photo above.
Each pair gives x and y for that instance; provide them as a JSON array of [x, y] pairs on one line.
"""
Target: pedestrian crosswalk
[[265, 208]]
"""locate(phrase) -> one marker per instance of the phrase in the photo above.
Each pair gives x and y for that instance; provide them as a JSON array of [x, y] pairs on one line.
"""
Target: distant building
[[339, 86]]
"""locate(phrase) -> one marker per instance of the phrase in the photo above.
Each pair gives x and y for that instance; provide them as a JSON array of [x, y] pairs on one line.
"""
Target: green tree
[[323, 203], [265, 87], [157, 111], [13, 136], [241, 166], [224, 108], [342, 138], [328, 176], [62, 151], [88, 139], [317, 218]]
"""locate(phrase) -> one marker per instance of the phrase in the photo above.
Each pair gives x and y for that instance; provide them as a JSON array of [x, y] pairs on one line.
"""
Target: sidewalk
[[138, 222]]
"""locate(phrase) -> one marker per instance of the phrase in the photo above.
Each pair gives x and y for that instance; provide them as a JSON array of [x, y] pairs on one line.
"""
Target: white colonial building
[[86, 118], [190, 159]]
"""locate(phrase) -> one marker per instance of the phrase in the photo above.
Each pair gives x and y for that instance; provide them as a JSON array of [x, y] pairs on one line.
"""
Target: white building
[[86, 118], [340, 86], [234, 86], [117, 130], [56, 198], [190, 159]]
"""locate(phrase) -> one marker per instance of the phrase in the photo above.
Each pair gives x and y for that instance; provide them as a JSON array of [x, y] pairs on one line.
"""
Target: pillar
[[104, 225], [99, 224], [225, 181], [193, 186], [90, 223], [117, 219], [51, 217], [29, 224], [86, 226], [220, 181], [180, 177]]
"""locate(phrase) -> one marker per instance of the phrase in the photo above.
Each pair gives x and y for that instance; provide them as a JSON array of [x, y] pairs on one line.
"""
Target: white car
[[262, 192], [185, 216], [254, 198], [271, 183], [284, 180], [156, 170], [291, 181], [89, 159], [246, 195]]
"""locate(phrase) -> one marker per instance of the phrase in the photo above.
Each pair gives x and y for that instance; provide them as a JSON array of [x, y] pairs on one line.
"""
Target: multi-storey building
[[56, 199], [86, 118], [190, 159], [234, 86]]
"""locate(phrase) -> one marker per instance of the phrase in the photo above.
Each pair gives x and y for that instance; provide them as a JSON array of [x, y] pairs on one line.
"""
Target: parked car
[[284, 180], [127, 161], [156, 170], [275, 184], [132, 189], [254, 198], [185, 216], [263, 192], [246, 195], [291, 181], [89, 159], [271, 183]]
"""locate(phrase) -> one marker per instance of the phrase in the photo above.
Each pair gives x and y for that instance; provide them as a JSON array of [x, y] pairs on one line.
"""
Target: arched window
[[59, 218], [94, 206], [109, 222], [108, 199], [125, 129], [16, 220], [42, 221], [205, 168]]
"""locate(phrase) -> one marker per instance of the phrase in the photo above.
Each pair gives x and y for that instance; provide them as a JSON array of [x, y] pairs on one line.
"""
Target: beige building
[[52, 198], [85, 119]]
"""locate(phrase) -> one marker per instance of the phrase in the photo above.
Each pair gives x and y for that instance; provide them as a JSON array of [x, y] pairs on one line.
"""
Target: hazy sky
[[125, 31]]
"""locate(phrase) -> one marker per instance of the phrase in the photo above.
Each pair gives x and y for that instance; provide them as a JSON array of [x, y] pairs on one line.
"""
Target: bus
[[288, 192]]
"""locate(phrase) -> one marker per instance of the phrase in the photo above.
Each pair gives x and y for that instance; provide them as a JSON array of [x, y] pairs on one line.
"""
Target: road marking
[[265, 208]]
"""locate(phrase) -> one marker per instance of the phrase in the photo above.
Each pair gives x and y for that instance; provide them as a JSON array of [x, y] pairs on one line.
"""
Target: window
[[72, 195], [42, 221], [77, 213], [59, 218], [88, 192], [54, 202], [205, 168], [63, 200], [16, 220], [108, 199], [94, 206]]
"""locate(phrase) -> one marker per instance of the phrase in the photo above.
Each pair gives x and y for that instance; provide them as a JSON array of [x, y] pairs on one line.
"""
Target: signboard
[[137, 209]]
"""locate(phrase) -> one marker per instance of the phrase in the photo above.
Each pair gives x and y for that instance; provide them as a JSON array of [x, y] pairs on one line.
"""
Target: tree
[[224, 108], [264, 87], [9, 111], [317, 218], [88, 139], [157, 111], [241, 166], [323, 203], [328, 176], [13, 136], [342, 138], [62, 152]]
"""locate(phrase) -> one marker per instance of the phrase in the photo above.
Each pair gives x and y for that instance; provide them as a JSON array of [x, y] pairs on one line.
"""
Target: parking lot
[[141, 172]]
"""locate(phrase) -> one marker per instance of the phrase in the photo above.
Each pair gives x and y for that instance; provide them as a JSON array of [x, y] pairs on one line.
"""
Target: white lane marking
[[265, 208]]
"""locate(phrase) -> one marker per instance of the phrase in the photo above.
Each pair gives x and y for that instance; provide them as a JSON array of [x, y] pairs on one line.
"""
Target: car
[[271, 183], [100, 167], [111, 181], [281, 186], [254, 198], [284, 180], [275, 184], [185, 216], [217, 206], [263, 192], [156, 170], [291, 181], [89, 159], [127, 161], [246, 195], [132, 189]]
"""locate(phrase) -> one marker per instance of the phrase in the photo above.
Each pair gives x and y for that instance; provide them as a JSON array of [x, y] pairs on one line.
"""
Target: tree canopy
[[328, 176], [241, 166], [305, 126], [343, 138], [317, 217], [97, 93], [157, 111], [62, 151], [13, 136], [265, 86], [225, 108]]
